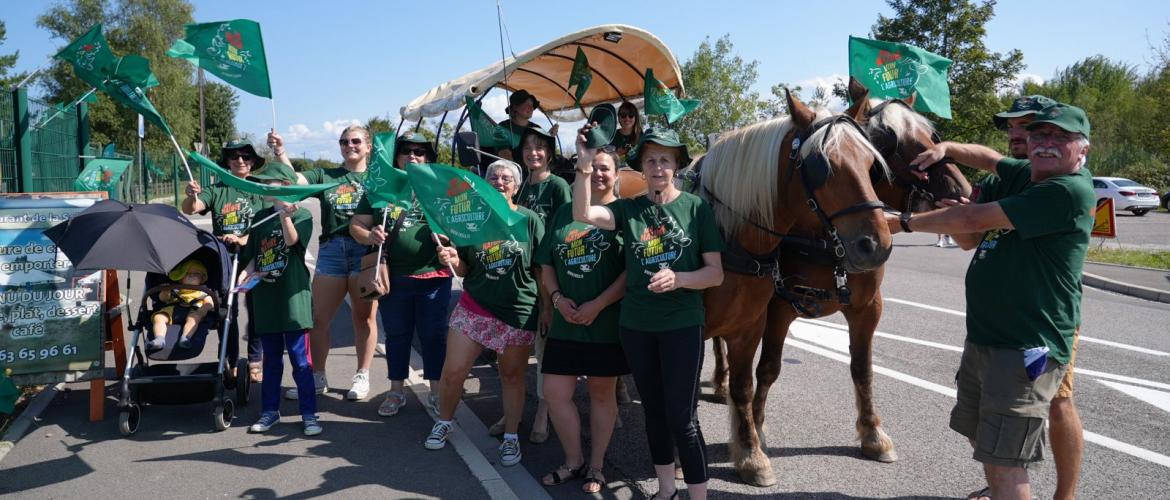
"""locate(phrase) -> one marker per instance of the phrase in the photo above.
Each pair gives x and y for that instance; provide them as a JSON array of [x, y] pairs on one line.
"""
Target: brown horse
[[762, 181], [749, 308]]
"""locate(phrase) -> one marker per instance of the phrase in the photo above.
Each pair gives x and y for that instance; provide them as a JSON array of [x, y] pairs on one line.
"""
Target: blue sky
[[339, 61]]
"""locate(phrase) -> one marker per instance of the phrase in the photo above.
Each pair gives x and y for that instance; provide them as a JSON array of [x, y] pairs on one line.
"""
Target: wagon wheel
[[222, 415], [129, 418]]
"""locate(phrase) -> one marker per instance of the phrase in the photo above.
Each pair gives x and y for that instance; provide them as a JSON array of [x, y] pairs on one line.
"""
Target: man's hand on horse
[[925, 159]]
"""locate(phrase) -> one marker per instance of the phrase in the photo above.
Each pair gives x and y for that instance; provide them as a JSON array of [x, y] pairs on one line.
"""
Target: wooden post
[[114, 341]]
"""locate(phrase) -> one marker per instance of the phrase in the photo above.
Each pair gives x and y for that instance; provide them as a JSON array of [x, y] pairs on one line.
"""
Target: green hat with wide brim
[[415, 138], [1022, 106], [539, 132], [662, 137], [1069, 118], [237, 146], [275, 172], [602, 134]]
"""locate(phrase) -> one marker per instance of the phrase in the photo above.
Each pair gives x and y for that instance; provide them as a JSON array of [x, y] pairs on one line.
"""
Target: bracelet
[[584, 172], [556, 299]]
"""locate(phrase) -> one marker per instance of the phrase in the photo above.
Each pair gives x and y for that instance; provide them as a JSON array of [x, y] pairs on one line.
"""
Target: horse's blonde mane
[[901, 120], [742, 168]]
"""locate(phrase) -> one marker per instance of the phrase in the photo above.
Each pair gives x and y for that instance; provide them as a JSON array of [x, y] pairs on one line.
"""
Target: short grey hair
[[511, 166]]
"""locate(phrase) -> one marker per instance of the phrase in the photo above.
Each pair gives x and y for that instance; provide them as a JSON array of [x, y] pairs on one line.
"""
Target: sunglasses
[[625, 115], [420, 152], [356, 141], [240, 156]]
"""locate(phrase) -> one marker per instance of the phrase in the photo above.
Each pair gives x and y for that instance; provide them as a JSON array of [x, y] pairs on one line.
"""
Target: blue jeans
[[415, 305], [297, 344], [340, 257]]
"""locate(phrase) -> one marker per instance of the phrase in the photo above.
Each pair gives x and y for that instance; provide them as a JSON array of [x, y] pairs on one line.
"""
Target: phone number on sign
[[31, 354]]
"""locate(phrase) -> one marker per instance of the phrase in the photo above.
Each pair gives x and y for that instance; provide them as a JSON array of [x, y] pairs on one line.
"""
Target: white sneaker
[[361, 387], [438, 437], [380, 348], [510, 452], [319, 383]]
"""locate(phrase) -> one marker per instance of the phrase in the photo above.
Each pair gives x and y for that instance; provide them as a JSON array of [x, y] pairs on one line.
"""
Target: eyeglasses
[[420, 152], [625, 115], [502, 179], [356, 141], [1058, 138], [240, 156]]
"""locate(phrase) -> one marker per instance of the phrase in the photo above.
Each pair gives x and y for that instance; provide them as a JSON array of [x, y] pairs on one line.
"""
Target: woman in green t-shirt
[[497, 310], [339, 259], [420, 287], [673, 250], [542, 193], [629, 130], [583, 269]]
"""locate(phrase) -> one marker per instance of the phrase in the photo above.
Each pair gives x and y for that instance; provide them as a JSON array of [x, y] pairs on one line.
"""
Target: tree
[[7, 62], [955, 29], [723, 82], [220, 104], [143, 27]]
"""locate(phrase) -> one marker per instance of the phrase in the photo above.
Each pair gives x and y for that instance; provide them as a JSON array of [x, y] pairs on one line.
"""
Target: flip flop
[[256, 371], [981, 494]]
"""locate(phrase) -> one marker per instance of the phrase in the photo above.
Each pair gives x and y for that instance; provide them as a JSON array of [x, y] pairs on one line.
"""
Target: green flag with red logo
[[90, 56], [660, 100], [581, 76], [386, 184], [490, 133], [232, 50], [463, 206], [289, 194], [895, 70]]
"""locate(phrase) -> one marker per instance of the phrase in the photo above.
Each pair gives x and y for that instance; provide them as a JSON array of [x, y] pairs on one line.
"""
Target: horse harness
[[814, 171], [916, 188]]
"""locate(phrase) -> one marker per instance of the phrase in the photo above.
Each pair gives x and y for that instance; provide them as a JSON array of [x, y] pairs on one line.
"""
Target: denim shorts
[[340, 256]]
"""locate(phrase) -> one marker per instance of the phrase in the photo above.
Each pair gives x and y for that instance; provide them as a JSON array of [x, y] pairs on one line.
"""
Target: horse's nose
[[867, 246]]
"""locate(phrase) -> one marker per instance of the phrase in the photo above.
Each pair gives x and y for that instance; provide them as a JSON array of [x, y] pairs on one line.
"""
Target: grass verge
[[1157, 259]]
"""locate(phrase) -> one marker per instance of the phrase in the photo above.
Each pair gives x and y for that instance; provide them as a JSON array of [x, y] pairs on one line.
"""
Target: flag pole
[[485, 153], [182, 157], [58, 113], [378, 259], [34, 73], [273, 102], [440, 245]]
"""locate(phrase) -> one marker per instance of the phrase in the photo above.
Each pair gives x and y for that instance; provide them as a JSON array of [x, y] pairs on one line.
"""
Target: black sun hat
[[241, 145]]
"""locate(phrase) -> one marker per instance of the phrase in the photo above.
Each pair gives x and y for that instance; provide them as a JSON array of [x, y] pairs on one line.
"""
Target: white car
[[1126, 194]]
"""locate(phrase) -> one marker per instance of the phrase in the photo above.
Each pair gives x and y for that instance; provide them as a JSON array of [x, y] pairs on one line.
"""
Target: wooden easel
[[114, 341]]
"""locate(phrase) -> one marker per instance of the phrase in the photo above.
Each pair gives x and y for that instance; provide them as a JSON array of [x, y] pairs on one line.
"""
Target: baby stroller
[[158, 376]]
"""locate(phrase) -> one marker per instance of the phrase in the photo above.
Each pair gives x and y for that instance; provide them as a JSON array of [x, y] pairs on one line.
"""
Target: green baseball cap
[[662, 137], [1067, 117], [1022, 106], [236, 146], [416, 138], [275, 172]]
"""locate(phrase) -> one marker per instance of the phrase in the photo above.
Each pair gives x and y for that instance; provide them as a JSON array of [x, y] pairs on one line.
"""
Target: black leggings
[[666, 367], [233, 350]]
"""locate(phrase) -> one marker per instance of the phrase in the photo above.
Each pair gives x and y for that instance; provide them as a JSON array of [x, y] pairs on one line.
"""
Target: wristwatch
[[904, 220]]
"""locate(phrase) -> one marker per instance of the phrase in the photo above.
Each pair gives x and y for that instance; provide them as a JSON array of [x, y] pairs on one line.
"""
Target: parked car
[[1166, 200], [1127, 195]]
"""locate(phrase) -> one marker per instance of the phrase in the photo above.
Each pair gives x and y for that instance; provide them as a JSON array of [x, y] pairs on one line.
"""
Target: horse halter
[[916, 188]]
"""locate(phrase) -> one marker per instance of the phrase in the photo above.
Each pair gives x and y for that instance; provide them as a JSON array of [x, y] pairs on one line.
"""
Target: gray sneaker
[[319, 383], [267, 420], [394, 401], [510, 452], [312, 426], [438, 438]]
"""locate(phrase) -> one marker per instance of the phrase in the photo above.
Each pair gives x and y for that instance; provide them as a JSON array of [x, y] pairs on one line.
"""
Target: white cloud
[[809, 87], [304, 141], [336, 126]]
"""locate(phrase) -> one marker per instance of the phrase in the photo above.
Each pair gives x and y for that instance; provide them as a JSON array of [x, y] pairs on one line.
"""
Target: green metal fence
[[9, 171]]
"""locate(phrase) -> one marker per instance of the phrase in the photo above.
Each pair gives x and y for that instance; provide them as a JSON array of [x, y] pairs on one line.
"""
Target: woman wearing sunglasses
[[629, 129], [338, 259], [420, 287]]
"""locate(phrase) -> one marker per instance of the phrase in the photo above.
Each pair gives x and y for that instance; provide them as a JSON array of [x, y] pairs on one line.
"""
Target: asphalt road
[[1151, 231]]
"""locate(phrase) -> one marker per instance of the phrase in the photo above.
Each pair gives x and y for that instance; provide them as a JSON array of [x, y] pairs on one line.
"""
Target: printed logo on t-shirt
[[346, 197], [499, 257], [990, 241], [581, 250], [542, 209], [234, 217], [412, 217], [272, 257], [660, 244]]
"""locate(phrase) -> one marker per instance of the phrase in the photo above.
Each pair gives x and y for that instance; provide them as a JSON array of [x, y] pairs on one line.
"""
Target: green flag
[[490, 133], [385, 184], [90, 56], [290, 194], [128, 84], [463, 206], [581, 76], [8, 394], [232, 50], [660, 100], [100, 174], [895, 70]]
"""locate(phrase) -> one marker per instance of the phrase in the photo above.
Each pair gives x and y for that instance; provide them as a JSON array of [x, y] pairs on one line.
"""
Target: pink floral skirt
[[472, 320]]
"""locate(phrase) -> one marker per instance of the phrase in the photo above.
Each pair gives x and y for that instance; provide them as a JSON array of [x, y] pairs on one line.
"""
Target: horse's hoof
[[885, 457], [759, 477]]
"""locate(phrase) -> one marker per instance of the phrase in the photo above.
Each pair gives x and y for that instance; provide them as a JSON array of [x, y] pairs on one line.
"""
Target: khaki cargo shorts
[[1066, 383], [999, 408]]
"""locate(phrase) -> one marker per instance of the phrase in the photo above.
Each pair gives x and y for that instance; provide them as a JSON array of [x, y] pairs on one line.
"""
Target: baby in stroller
[[198, 303]]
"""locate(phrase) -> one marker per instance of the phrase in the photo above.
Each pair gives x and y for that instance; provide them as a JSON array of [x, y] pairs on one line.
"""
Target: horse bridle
[[917, 188]]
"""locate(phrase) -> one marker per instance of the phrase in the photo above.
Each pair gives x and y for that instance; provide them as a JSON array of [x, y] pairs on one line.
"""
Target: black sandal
[[554, 478], [593, 478]]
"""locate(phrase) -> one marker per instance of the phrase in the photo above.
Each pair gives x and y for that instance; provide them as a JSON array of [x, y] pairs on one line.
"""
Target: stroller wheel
[[222, 415], [243, 382], [129, 418]]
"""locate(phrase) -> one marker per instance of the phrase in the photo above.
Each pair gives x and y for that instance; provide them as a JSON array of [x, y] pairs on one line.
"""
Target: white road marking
[[890, 336], [1085, 338], [1092, 437], [1161, 399]]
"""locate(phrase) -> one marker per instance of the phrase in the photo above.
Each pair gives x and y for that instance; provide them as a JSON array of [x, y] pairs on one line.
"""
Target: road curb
[[31, 412], [1140, 292]]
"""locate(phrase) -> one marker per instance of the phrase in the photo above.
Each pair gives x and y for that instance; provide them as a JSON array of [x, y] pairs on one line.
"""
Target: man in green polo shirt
[[1023, 288]]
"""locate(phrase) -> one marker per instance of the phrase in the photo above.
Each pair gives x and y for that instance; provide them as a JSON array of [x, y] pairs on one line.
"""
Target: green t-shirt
[[283, 300], [231, 210], [1024, 284], [500, 278], [587, 261], [337, 204], [413, 252], [544, 197], [674, 235]]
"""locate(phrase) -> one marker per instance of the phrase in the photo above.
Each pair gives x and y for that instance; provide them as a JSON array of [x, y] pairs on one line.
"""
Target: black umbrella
[[136, 237]]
